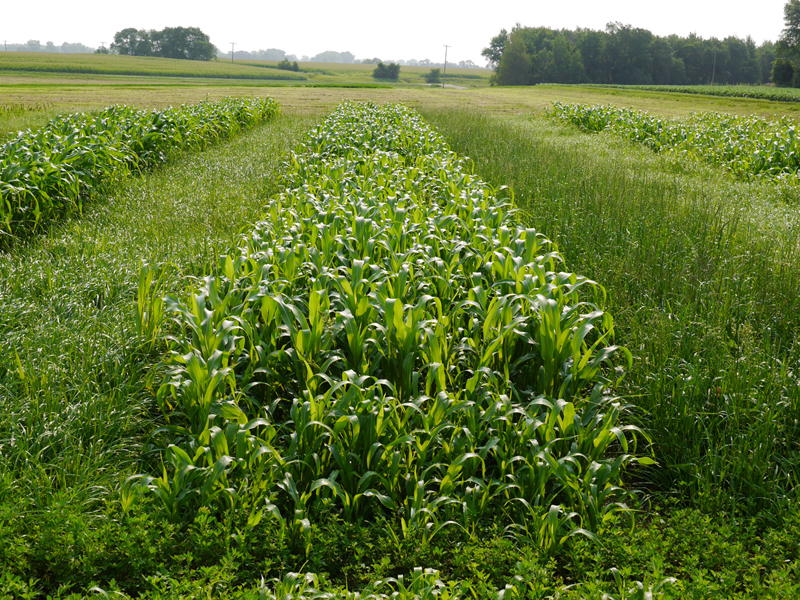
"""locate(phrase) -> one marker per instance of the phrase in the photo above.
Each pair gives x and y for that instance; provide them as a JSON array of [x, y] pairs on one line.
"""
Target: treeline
[[171, 42], [37, 46], [331, 56], [625, 55]]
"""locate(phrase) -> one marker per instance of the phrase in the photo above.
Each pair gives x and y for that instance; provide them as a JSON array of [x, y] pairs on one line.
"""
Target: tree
[[390, 71], [435, 76], [494, 52], [791, 17], [129, 42], [186, 43], [782, 72], [172, 42], [766, 58], [515, 64]]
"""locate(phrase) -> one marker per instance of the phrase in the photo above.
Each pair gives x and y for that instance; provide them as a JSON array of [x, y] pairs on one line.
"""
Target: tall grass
[[702, 273]]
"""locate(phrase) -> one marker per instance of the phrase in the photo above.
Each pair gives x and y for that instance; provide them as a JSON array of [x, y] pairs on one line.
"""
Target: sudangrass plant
[[389, 339], [747, 147], [702, 275], [49, 173]]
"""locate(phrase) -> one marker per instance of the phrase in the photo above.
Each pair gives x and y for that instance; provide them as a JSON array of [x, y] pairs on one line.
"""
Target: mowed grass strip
[[702, 273], [72, 376]]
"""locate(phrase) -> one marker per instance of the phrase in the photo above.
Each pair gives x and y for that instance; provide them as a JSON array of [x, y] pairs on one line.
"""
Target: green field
[[32, 63], [699, 270]]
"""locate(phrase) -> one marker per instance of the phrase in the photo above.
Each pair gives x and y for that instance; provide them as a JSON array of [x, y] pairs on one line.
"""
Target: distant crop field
[[761, 92], [111, 64]]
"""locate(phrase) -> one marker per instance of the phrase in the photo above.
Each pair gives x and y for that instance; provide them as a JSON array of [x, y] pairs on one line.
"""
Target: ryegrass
[[702, 273]]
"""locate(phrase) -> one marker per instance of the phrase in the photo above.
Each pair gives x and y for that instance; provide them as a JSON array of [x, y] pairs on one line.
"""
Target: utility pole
[[5, 45], [233, 45], [445, 64]]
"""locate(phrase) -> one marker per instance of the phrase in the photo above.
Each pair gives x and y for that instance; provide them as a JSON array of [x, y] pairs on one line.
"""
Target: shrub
[[390, 71], [435, 76]]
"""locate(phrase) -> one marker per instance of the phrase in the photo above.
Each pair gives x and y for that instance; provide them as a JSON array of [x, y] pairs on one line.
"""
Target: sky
[[387, 30]]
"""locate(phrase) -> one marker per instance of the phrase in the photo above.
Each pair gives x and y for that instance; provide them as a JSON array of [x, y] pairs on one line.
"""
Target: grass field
[[701, 275]]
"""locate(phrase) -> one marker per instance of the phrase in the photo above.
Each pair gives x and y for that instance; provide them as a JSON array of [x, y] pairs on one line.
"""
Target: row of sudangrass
[[748, 147], [389, 338], [702, 273], [760, 92], [48, 174], [77, 409]]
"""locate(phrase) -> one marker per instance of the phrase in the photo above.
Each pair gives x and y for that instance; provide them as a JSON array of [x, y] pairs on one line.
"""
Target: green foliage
[[689, 256], [287, 66], [747, 147], [390, 71], [435, 76], [48, 174], [783, 72], [419, 354], [623, 54], [171, 42]]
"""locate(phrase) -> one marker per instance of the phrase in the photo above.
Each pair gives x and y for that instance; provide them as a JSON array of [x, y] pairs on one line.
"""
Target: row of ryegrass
[[702, 273], [747, 147], [48, 174], [390, 341]]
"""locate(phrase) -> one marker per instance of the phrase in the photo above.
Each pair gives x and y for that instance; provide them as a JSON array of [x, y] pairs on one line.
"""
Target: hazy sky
[[387, 30]]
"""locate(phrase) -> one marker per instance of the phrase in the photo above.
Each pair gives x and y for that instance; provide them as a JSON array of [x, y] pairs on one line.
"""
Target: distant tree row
[[37, 46], [171, 42], [329, 56], [623, 54]]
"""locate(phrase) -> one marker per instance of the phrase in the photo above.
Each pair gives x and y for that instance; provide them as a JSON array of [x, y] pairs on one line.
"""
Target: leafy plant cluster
[[47, 174], [747, 147], [389, 342]]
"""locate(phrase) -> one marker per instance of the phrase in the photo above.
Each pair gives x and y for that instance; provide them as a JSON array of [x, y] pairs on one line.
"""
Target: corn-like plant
[[390, 339], [50, 173], [748, 147]]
